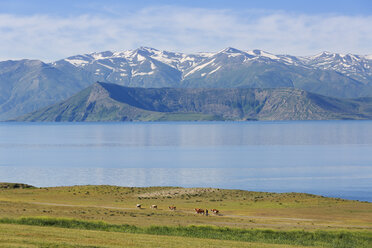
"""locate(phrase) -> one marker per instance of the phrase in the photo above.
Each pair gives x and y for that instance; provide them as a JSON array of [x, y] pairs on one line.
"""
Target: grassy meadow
[[39, 236], [245, 218]]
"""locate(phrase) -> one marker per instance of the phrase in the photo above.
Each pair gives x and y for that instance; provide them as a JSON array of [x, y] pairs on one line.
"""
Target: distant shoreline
[[7, 185]]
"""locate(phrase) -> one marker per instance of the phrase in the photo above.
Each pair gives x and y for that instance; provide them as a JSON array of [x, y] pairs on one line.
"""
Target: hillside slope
[[28, 85], [111, 102]]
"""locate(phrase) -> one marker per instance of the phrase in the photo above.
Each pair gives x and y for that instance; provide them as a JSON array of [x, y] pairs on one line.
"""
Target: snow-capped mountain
[[131, 67], [179, 61], [142, 67], [329, 74], [355, 66]]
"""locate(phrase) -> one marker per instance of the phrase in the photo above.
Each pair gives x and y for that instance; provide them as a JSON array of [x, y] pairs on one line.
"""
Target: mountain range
[[28, 85], [112, 102]]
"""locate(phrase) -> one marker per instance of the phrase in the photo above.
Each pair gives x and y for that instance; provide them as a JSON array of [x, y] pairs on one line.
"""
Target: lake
[[331, 158]]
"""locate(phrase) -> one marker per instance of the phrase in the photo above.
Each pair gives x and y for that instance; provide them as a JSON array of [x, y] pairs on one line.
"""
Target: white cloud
[[182, 29]]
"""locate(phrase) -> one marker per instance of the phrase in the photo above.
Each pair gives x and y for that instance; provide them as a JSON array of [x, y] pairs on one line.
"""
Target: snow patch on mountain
[[199, 67], [215, 70], [135, 74], [107, 66], [259, 53], [77, 62], [140, 58]]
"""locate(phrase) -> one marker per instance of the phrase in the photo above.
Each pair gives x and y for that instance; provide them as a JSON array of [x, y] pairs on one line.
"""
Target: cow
[[215, 211], [172, 207], [138, 205], [199, 211], [154, 206]]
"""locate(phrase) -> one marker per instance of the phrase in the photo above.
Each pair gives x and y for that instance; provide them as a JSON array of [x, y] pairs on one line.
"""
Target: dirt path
[[183, 211]]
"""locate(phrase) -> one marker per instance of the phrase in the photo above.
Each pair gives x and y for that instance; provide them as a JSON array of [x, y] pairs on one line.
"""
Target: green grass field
[[36, 236], [303, 218]]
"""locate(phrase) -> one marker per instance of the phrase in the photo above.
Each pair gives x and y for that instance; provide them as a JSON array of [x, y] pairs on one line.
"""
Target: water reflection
[[326, 157], [186, 134], [187, 157]]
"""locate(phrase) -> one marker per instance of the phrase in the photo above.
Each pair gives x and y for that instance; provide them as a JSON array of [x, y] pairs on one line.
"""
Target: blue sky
[[67, 7], [51, 30]]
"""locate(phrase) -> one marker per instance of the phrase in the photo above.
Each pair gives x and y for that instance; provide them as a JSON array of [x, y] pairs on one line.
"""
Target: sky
[[52, 30]]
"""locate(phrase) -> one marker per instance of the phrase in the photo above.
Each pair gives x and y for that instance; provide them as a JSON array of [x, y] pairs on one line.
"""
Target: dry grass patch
[[191, 192]]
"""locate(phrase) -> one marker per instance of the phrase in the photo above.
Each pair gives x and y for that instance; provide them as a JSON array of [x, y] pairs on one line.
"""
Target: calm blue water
[[331, 158]]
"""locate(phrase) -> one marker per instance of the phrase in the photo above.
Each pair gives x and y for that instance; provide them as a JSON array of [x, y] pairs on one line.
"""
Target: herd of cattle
[[201, 211], [197, 210]]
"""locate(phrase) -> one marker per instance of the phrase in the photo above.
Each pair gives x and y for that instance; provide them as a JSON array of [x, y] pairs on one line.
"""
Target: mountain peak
[[145, 48], [103, 54], [97, 92], [257, 52], [231, 50], [323, 54]]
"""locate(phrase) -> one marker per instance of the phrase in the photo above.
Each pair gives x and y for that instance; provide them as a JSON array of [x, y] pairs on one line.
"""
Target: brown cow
[[215, 211], [154, 206], [172, 207], [199, 211]]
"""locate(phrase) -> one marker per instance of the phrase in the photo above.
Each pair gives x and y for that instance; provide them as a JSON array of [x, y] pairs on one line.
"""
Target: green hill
[[111, 102]]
